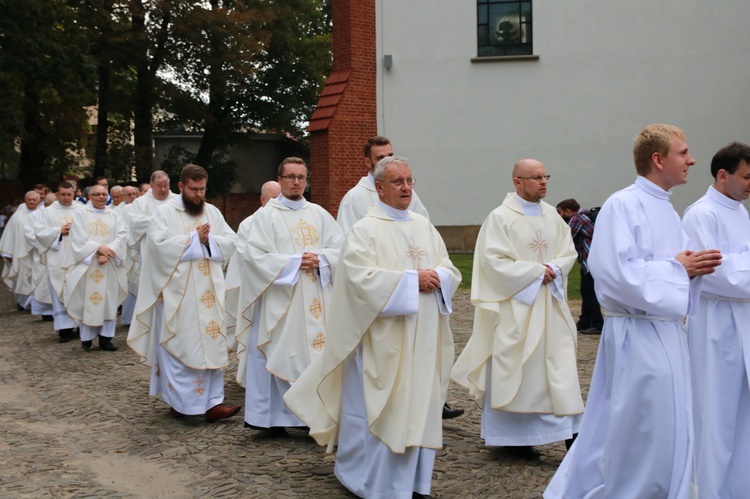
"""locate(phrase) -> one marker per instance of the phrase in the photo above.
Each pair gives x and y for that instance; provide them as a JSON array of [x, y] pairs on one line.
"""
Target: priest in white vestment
[[178, 328], [139, 214], [288, 264], [378, 389], [129, 194], [234, 297], [636, 437], [719, 334], [17, 251], [521, 360], [95, 284], [41, 301], [52, 231], [363, 196]]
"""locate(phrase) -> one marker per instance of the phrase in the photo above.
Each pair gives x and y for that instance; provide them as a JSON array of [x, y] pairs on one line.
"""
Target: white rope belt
[[642, 316], [725, 298]]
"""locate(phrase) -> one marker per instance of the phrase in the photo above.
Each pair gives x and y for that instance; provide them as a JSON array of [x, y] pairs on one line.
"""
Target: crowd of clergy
[[341, 326]]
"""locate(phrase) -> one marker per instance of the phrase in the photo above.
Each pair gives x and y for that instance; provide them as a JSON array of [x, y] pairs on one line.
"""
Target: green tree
[[46, 83]]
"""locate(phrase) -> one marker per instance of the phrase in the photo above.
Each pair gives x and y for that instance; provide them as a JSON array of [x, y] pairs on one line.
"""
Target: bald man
[[268, 191], [520, 362]]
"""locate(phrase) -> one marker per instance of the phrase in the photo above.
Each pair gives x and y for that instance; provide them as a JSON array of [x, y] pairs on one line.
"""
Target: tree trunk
[[33, 152], [101, 155]]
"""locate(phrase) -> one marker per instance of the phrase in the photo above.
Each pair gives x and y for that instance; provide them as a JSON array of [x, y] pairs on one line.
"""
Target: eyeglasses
[[400, 181], [292, 178], [195, 189], [538, 178]]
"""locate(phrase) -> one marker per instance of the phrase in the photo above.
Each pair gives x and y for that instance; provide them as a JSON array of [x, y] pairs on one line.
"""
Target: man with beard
[[288, 264], [52, 231], [520, 361], [16, 251], [95, 284], [179, 316], [138, 218]]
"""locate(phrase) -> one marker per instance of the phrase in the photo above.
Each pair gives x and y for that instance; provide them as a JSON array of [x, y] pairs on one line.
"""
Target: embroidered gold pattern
[[311, 274], [315, 308], [204, 266], [307, 235], [208, 299], [539, 245], [96, 298], [66, 219], [415, 253], [169, 385], [96, 276], [98, 228], [196, 223], [320, 342], [213, 330], [199, 386]]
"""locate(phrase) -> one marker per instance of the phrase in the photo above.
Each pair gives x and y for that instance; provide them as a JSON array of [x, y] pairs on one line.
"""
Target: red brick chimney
[[346, 114]]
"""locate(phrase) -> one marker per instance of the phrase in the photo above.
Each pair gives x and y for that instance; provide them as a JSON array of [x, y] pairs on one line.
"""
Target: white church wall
[[604, 71]]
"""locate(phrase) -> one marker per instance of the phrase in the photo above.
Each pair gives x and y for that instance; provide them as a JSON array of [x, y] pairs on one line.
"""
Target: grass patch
[[464, 263]]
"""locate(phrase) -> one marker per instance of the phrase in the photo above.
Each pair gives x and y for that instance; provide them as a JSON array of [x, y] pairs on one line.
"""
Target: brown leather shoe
[[221, 411]]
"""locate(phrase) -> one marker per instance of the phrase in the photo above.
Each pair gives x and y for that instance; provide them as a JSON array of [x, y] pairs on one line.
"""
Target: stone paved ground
[[81, 424]]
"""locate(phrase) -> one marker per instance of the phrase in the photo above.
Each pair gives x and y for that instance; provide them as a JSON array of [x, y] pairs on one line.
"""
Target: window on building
[[503, 27]]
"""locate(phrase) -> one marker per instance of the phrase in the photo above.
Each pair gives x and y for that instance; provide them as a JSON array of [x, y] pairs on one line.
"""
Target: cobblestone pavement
[[81, 424]]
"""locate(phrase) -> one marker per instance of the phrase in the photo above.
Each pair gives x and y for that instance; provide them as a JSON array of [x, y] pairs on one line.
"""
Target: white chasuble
[[188, 277], [139, 214], [362, 197], [293, 310], [232, 300], [39, 281], [52, 244], [406, 359], [13, 244], [531, 344], [93, 291]]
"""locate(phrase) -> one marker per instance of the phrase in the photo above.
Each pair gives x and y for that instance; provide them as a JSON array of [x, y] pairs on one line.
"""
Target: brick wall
[[336, 161], [236, 207]]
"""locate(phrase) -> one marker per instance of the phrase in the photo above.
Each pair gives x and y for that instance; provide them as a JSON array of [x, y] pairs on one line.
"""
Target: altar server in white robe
[[139, 214], [95, 283], [17, 251], [178, 327], [378, 389], [719, 334], [521, 359], [288, 263], [237, 326], [52, 231], [636, 437], [363, 196]]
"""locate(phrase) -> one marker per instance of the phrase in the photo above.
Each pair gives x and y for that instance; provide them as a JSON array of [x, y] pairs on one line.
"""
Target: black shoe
[[65, 335], [591, 330], [569, 441], [417, 494], [524, 452], [449, 413], [20, 308], [105, 344], [86, 345], [276, 431], [48, 318]]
